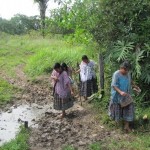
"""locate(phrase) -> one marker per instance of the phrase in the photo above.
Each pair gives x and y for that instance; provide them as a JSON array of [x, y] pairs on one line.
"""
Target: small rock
[[33, 119], [81, 143], [39, 107], [9, 111], [15, 106]]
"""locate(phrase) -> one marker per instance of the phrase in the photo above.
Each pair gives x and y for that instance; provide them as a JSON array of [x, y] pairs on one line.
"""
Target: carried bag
[[126, 100]]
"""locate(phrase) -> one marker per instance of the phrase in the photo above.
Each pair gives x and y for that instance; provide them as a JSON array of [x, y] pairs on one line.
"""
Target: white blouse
[[87, 71]]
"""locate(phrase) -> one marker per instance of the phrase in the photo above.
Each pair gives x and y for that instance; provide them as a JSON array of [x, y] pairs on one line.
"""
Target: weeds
[[6, 91], [95, 146], [68, 148], [20, 143]]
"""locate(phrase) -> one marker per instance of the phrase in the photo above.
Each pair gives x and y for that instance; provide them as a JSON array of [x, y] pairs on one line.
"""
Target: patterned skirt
[[88, 87], [117, 113], [62, 104]]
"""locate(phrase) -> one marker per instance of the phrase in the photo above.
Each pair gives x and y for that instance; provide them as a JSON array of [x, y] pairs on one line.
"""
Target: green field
[[37, 57]]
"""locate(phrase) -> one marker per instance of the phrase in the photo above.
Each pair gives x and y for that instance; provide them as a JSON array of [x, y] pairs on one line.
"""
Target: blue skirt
[[117, 113]]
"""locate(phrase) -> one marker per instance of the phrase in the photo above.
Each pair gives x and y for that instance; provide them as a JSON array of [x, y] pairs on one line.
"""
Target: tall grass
[[43, 61], [38, 54]]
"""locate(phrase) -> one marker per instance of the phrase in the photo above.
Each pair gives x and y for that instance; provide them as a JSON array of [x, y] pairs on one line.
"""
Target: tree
[[42, 6], [120, 28], [19, 24]]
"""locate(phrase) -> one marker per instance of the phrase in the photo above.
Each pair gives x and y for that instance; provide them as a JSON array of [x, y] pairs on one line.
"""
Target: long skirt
[[89, 87], [62, 104], [117, 113]]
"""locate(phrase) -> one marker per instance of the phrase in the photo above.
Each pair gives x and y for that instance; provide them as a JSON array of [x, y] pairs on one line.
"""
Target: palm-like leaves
[[136, 58], [122, 50], [126, 51]]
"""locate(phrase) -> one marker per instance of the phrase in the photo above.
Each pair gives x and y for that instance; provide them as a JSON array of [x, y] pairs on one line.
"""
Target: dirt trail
[[78, 129]]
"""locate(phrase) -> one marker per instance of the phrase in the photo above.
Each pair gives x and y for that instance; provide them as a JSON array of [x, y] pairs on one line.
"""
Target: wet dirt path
[[78, 129]]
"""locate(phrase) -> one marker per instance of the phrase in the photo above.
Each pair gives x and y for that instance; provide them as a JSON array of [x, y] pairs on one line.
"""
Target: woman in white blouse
[[87, 77]]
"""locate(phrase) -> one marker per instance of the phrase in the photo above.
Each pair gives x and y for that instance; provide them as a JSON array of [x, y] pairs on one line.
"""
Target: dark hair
[[126, 65], [64, 66], [84, 57], [57, 66]]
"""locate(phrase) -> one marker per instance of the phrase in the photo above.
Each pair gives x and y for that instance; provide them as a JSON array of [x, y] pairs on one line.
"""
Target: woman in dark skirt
[[62, 92], [120, 88], [88, 77]]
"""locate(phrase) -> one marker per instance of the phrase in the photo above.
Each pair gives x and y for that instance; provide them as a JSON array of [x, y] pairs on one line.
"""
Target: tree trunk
[[101, 74]]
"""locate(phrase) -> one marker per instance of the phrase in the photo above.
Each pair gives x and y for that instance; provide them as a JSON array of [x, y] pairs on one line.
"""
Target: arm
[[135, 87], [67, 81], [77, 71], [115, 84], [54, 78], [70, 88], [119, 91]]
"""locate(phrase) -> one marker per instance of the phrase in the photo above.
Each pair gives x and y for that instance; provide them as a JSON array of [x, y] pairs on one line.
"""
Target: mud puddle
[[11, 120]]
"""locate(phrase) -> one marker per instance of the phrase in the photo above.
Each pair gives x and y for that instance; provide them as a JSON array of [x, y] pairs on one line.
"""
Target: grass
[[95, 146], [43, 61], [38, 56], [20, 143], [6, 91], [139, 140], [68, 148]]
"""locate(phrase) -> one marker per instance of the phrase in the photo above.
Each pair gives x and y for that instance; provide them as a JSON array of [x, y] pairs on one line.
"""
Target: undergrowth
[[20, 143], [6, 91]]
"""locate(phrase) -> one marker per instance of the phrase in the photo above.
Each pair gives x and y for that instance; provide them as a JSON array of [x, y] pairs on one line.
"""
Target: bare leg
[[85, 98], [126, 126], [63, 113]]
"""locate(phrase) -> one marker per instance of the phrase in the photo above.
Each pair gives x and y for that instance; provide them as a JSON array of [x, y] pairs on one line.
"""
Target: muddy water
[[11, 120]]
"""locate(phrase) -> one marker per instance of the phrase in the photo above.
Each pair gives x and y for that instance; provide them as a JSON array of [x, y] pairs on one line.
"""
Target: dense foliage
[[19, 24], [120, 28]]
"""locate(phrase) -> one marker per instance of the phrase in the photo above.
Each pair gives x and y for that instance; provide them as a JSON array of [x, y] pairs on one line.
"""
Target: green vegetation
[[44, 60], [19, 24], [95, 146], [141, 142], [6, 91], [119, 30], [68, 148], [36, 55], [20, 143]]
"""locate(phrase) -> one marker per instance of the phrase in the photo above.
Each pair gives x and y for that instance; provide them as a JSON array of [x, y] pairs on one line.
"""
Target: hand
[[55, 78], [137, 89], [72, 93], [123, 93]]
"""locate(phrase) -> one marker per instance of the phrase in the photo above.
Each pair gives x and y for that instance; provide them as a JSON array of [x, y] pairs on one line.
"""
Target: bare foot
[[61, 116], [128, 130]]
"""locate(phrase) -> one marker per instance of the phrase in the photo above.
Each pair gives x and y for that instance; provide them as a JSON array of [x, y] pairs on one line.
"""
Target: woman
[[88, 77], [62, 92], [55, 74], [67, 69], [120, 88]]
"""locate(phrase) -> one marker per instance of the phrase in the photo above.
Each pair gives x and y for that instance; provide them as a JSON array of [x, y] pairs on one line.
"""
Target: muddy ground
[[79, 128]]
